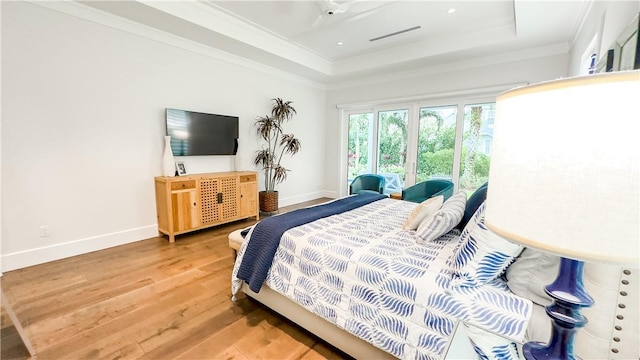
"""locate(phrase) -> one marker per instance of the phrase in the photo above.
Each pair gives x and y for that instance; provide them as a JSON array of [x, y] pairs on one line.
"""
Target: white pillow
[[481, 255], [443, 220], [532, 271], [422, 211]]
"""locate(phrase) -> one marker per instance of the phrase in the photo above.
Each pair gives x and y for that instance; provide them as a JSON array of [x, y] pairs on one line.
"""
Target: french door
[[360, 145], [393, 130], [476, 150], [411, 144], [436, 143], [378, 144]]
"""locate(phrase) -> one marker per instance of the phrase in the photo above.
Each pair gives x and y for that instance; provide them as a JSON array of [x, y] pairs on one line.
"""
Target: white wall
[[83, 126], [82, 118], [474, 74], [605, 20], [0, 146]]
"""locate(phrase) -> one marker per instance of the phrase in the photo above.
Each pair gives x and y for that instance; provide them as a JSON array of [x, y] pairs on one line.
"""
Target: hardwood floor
[[149, 300]]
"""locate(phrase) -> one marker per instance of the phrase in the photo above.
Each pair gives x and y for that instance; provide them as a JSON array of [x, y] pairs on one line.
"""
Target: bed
[[411, 291]]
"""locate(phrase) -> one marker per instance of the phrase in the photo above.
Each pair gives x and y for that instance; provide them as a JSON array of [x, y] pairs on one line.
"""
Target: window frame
[[457, 98]]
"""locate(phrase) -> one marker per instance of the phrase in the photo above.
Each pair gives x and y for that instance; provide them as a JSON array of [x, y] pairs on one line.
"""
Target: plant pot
[[268, 201]]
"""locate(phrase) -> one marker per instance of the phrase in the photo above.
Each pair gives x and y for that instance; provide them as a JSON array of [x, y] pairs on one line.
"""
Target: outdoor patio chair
[[427, 189], [367, 183]]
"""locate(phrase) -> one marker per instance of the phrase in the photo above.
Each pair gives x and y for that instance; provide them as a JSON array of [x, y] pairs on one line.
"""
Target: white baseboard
[[330, 194], [302, 198], [21, 259]]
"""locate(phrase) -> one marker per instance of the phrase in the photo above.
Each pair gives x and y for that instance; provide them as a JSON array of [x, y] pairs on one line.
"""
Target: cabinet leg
[[172, 238]]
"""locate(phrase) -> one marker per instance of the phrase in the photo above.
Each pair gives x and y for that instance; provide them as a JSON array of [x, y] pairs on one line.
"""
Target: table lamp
[[563, 178]]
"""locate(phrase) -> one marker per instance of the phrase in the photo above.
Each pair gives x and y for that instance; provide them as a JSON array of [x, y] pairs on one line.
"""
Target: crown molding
[[232, 27], [214, 18], [489, 91], [476, 62], [584, 14], [97, 16]]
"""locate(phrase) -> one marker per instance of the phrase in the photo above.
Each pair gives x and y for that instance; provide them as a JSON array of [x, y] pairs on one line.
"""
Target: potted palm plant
[[269, 128]]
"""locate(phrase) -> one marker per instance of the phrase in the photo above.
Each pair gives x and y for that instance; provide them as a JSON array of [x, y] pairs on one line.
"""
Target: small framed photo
[[180, 168]]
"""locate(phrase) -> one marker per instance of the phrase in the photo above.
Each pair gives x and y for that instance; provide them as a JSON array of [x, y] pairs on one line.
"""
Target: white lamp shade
[[565, 165]]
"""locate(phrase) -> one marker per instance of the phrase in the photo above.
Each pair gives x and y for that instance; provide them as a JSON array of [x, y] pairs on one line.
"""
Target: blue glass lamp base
[[569, 297]]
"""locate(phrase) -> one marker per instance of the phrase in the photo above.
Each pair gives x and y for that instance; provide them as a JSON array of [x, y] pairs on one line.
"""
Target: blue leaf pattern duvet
[[362, 272]]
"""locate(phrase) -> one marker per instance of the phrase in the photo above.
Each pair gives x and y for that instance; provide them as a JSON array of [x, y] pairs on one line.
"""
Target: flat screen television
[[194, 133]]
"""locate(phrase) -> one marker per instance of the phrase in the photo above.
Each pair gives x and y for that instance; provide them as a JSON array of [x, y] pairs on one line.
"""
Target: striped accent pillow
[[443, 220], [481, 255], [422, 211]]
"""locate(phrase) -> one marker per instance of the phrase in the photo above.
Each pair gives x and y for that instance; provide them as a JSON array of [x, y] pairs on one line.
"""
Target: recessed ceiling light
[[339, 43], [451, 11]]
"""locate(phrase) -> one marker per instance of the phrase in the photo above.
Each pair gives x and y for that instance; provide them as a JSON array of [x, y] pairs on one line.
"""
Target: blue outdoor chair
[[428, 189], [372, 183]]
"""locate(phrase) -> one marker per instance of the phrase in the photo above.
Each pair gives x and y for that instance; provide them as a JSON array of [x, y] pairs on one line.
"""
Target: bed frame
[[459, 347], [611, 333]]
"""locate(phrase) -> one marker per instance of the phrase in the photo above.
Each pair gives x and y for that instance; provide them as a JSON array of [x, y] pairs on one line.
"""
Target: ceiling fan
[[330, 8]]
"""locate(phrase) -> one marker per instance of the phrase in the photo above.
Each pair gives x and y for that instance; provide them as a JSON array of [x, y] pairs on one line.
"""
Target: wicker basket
[[268, 201]]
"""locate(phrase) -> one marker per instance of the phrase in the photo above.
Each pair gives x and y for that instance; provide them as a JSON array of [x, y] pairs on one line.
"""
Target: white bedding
[[362, 272]]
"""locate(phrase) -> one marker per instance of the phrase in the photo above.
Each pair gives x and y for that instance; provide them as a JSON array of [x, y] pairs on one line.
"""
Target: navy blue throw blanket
[[266, 235]]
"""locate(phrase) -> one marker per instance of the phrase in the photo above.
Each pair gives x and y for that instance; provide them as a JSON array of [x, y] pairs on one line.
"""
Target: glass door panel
[[476, 145], [436, 143], [360, 146], [392, 148]]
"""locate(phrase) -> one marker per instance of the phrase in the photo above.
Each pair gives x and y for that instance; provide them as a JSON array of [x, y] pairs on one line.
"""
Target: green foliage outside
[[358, 153], [436, 159], [393, 142], [435, 148]]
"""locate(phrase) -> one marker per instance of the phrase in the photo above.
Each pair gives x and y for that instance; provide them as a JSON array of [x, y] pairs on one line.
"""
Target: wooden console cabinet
[[193, 202]]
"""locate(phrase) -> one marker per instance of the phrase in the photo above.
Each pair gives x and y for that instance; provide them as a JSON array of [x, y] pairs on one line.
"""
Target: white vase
[[168, 164], [239, 161]]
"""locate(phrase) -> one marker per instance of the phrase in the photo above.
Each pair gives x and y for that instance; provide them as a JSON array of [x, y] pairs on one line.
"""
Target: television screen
[[194, 133]]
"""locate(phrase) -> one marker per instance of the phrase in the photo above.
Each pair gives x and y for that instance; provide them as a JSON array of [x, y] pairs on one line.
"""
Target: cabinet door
[[185, 209], [228, 198], [218, 199], [209, 209], [248, 199]]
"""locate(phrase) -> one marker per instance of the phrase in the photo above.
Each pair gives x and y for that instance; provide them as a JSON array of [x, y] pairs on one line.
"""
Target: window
[[436, 143], [417, 142], [360, 151], [392, 148]]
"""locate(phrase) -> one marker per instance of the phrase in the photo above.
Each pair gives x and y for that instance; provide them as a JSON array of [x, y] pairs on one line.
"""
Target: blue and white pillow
[[481, 255], [491, 346], [443, 220]]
